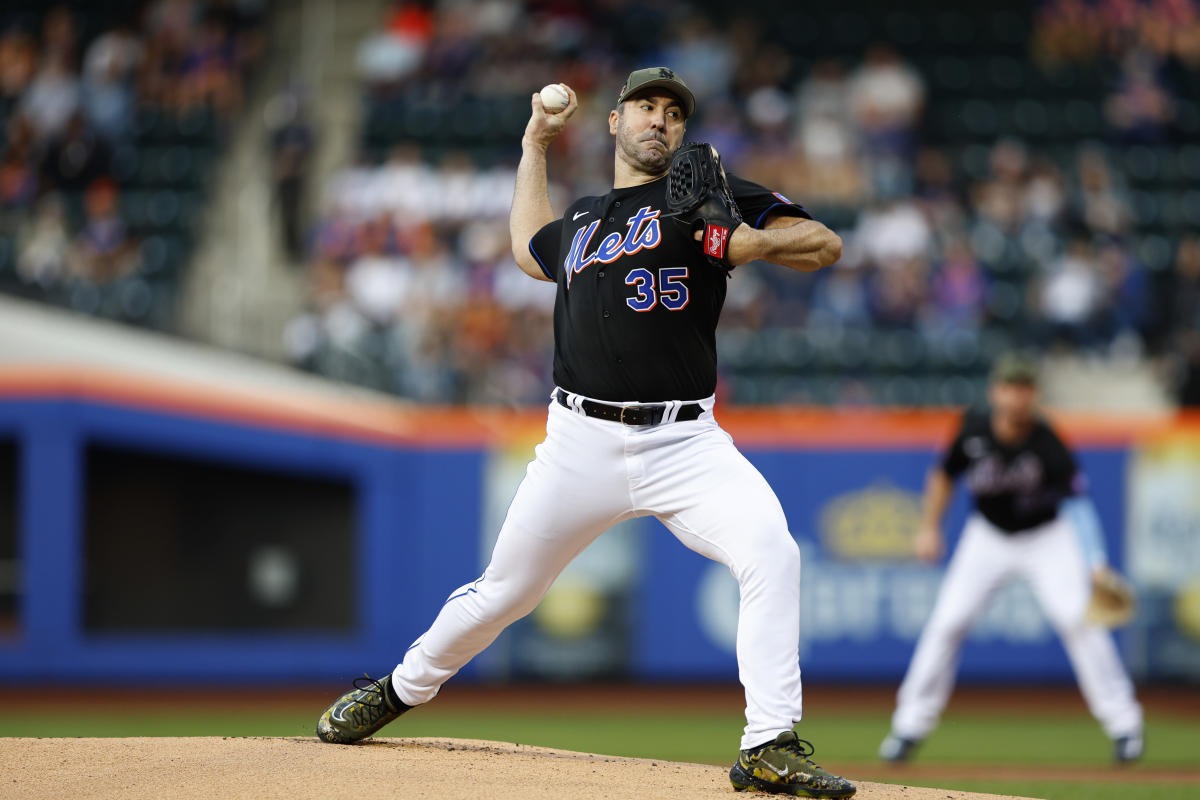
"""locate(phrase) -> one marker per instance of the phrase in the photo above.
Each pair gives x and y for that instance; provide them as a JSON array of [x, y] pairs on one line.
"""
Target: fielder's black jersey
[[637, 307], [1013, 487]]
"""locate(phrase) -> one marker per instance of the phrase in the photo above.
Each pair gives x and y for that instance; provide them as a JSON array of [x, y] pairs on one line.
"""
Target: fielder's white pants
[[587, 476], [1051, 559]]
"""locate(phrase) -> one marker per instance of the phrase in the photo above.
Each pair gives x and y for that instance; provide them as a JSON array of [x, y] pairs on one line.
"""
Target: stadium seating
[[985, 82], [161, 168], [981, 87]]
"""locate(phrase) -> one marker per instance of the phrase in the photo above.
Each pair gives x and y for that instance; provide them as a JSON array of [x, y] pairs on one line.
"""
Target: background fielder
[[631, 430], [1031, 520]]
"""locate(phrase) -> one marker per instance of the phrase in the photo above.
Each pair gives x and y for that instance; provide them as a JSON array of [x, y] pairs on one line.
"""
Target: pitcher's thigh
[[548, 523], [728, 512], [572, 492]]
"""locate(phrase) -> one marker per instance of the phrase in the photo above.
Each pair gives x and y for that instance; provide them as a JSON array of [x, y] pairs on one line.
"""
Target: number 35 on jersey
[[666, 288]]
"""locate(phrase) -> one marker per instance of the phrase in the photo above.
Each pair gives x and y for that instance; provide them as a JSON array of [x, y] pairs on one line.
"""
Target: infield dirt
[[296, 768]]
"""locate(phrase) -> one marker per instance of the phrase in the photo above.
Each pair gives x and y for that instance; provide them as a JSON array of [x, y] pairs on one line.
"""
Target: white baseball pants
[[1051, 559], [587, 476]]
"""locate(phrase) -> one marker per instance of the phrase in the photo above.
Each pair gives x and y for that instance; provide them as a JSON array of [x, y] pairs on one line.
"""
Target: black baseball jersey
[[1013, 487], [636, 313]]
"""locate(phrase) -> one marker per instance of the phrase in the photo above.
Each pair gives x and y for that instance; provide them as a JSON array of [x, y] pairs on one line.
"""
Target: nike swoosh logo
[[578, 214]]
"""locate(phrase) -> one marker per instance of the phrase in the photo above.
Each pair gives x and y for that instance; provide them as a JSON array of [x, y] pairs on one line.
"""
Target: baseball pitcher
[[1031, 520], [641, 275]]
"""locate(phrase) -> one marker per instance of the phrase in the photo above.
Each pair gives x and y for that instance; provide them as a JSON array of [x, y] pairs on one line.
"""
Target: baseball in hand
[[554, 98]]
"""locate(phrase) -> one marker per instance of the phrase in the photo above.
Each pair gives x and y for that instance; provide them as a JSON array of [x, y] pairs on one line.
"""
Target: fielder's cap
[[662, 78], [1015, 368]]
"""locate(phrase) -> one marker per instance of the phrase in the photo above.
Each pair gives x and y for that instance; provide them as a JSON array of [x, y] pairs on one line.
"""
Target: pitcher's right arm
[[531, 209]]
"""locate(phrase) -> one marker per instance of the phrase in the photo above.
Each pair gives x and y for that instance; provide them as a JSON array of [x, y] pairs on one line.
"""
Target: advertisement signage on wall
[[1163, 542], [863, 598], [417, 499]]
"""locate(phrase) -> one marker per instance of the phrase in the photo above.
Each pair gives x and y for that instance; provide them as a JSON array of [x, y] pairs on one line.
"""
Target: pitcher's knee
[[503, 603], [786, 559], [774, 558]]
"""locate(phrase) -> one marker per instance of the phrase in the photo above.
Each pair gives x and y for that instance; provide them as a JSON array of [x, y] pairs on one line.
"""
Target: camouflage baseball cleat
[[360, 712], [783, 767]]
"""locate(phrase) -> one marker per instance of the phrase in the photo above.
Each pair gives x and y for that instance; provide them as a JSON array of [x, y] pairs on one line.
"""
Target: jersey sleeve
[[757, 203], [544, 247], [954, 460]]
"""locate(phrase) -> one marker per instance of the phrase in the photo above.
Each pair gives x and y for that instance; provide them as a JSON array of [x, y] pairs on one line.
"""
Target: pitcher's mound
[[291, 769]]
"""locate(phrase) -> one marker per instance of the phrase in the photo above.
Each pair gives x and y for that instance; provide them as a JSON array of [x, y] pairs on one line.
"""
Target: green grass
[[1059, 740], [1002, 740], [1061, 790], [1071, 740]]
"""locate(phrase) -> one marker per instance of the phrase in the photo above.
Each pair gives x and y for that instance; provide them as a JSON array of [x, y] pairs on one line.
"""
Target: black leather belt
[[648, 414]]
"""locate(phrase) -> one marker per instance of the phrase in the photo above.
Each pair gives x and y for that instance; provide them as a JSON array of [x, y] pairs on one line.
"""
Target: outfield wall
[[167, 531]]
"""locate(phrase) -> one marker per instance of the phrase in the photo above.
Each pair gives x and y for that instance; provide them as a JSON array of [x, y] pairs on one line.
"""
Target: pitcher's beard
[[650, 161]]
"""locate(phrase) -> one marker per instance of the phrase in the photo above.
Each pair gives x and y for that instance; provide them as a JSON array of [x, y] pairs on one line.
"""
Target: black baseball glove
[[698, 195]]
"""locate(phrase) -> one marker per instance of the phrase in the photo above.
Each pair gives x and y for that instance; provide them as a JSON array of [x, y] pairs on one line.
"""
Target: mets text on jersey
[[642, 232]]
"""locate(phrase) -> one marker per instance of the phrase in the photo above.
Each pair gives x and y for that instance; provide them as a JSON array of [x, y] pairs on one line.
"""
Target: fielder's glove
[[698, 195], [1112, 602]]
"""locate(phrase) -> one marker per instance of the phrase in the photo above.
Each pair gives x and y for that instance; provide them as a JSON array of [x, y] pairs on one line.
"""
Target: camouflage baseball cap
[[660, 77], [1015, 368]]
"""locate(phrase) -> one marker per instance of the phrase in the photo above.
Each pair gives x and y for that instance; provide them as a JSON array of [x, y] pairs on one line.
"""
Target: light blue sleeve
[[1081, 512]]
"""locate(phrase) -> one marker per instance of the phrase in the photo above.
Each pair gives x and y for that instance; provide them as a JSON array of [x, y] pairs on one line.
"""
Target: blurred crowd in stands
[[1001, 241], [80, 90], [1001, 177], [1086, 30]]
